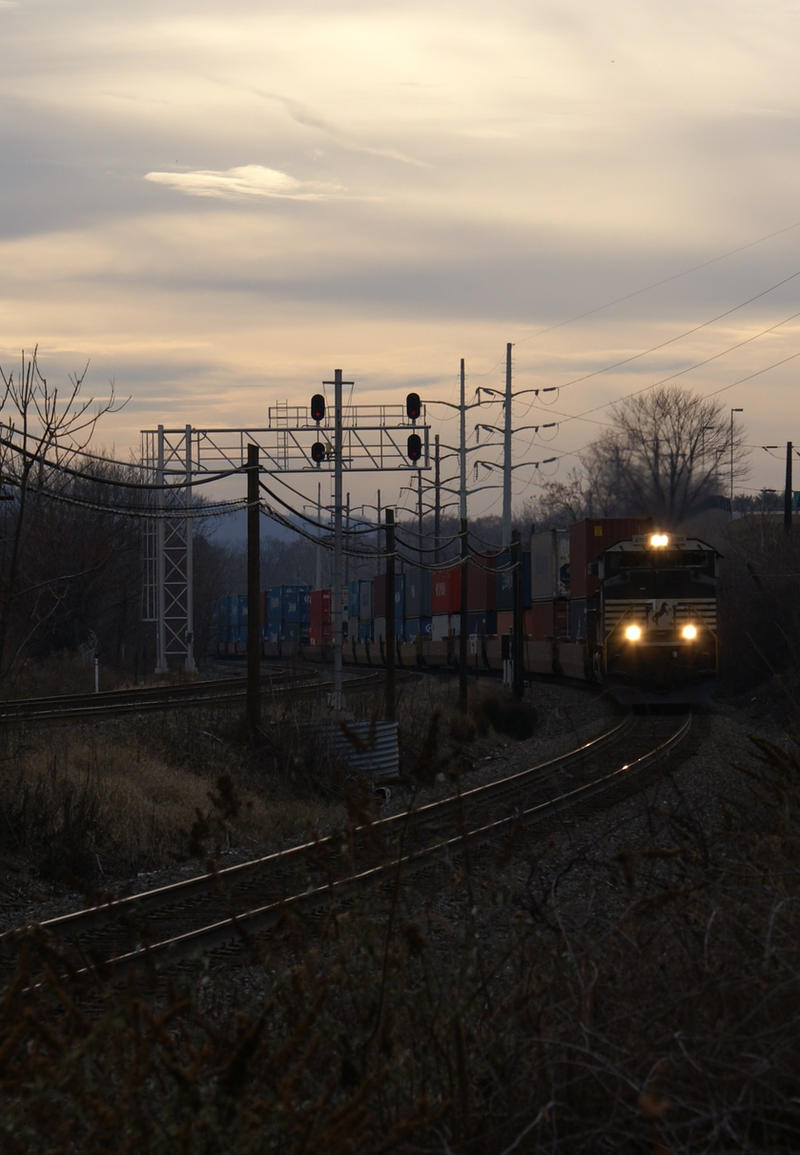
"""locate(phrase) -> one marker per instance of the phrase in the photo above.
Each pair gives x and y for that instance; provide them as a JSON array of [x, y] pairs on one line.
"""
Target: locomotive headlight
[[659, 540], [633, 633], [689, 632]]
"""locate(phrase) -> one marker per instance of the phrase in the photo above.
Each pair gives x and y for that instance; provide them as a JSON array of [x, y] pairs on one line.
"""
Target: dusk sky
[[216, 206]]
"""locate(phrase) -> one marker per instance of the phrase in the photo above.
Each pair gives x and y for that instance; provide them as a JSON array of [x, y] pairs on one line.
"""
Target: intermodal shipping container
[[481, 586], [379, 596], [550, 619], [418, 593], [365, 599], [550, 564], [504, 580], [505, 621], [588, 539], [418, 628], [577, 619], [440, 627], [320, 606], [295, 603], [446, 591], [483, 622], [354, 599], [365, 631], [379, 628], [481, 583], [320, 633]]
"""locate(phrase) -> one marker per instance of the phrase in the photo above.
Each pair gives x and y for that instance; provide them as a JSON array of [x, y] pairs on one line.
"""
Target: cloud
[[245, 183]]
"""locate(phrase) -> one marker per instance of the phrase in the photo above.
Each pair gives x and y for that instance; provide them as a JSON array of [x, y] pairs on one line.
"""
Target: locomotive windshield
[[658, 573]]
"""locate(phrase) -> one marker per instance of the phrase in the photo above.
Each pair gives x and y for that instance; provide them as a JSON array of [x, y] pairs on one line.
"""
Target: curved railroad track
[[222, 910]]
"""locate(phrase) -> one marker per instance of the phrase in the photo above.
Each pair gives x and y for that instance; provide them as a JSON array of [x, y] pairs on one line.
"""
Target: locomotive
[[609, 600]]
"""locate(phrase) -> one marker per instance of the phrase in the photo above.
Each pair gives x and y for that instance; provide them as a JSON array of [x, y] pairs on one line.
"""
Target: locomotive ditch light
[[689, 632], [633, 633]]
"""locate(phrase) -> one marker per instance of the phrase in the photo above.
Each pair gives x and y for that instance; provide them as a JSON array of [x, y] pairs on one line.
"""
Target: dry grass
[[83, 805], [474, 1011]]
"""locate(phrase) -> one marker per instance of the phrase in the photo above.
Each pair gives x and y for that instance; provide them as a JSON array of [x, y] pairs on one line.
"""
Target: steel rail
[[96, 933]]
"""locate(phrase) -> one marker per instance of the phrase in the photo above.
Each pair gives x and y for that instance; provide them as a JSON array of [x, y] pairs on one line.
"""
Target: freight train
[[609, 600]]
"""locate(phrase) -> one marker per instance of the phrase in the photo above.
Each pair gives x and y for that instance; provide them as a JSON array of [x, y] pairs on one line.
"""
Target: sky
[[213, 207]]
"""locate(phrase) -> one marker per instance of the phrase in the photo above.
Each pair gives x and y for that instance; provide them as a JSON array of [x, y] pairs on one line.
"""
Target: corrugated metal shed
[[369, 748]]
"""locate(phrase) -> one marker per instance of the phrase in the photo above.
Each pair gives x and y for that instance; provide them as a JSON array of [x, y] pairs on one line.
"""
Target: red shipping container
[[481, 587], [320, 607], [481, 583], [505, 621], [550, 619], [320, 633], [446, 591], [588, 539]]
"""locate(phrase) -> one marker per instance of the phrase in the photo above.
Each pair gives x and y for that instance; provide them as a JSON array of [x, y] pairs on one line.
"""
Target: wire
[[59, 467]]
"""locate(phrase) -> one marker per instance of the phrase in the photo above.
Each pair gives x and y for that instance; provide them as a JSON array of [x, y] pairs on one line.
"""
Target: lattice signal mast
[[353, 438]]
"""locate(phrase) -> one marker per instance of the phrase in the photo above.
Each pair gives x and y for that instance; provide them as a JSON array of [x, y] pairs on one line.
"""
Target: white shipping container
[[440, 627], [550, 564]]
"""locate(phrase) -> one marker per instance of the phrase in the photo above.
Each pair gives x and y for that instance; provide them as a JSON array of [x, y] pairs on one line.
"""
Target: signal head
[[317, 452], [413, 406], [317, 407], [414, 447]]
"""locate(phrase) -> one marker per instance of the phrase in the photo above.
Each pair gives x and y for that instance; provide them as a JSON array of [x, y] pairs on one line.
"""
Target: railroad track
[[222, 910], [142, 699]]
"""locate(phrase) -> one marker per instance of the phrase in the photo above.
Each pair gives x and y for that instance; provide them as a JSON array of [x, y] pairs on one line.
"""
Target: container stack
[[320, 626], [587, 540], [379, 606], [288, 613]]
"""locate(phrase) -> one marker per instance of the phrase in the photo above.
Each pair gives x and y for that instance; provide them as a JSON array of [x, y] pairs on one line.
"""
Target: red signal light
[[317, 452], [414, 447], [413, 406]]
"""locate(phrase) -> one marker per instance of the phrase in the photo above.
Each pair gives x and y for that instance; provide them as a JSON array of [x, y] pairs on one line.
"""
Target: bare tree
[[42, 431], [668, 453]]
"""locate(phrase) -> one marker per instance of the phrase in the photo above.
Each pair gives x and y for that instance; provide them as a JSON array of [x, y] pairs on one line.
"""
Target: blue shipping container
[[418, 593], [288, 603], [418, 627]]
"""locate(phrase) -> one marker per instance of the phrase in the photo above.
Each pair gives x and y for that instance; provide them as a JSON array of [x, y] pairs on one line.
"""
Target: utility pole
[[787, 493], [516, 636], [437, 510], [507, 454], [732, 413], [318, 559], [336, 700], [462, 632], [390, 622], [253, 695]]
